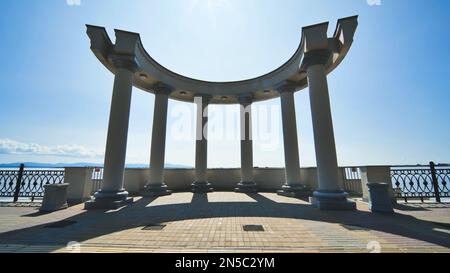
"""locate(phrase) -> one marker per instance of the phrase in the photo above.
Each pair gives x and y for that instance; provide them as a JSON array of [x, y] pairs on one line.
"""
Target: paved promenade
[[184, 222]]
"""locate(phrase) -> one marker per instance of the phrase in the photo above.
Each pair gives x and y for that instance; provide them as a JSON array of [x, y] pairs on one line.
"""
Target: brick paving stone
[[214, 223]]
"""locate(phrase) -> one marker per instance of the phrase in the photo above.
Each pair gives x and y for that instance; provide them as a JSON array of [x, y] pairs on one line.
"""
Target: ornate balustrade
[[28, 183], [420, 182]]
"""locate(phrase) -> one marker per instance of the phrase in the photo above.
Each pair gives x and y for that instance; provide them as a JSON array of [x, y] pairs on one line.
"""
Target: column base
[[247, 187], [332, 201], [294, 191], [108, 200], [201, 187], [156, 190]]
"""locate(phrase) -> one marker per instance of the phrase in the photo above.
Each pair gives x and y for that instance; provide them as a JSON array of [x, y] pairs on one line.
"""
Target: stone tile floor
[[214, 223]]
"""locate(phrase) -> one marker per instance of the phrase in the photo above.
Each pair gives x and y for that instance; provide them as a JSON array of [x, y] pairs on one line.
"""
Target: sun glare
[[217, 3], [212, 8]]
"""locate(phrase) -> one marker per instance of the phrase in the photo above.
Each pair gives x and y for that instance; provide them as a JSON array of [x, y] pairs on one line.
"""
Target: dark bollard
[[379, 198], [55, 197]]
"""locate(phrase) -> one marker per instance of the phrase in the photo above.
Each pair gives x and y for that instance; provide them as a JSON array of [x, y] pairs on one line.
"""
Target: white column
[[246, 143], [291, 151], [201, 149], [156, 185], [247, 183], [327, 166], [293, 186], [330, 195], [112, 193]]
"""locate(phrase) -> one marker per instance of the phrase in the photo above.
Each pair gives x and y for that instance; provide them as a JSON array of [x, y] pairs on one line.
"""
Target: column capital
[[245, 100], [161, 88], [128, 62], [206, 99], [286, 87], [316, 57]]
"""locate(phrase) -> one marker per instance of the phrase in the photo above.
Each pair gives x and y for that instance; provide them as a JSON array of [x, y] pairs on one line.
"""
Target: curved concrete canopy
[[150, 75]]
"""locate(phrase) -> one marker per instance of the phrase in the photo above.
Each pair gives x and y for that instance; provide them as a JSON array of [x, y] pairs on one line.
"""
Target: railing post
[[435, 182], [18, 183]]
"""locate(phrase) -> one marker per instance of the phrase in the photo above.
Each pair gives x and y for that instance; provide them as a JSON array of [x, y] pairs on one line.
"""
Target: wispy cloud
[[12, 147], [73, 2], [374, 2]]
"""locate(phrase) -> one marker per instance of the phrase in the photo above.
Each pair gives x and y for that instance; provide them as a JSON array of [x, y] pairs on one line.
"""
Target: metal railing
[[27, 183], [421, 182], [352, 180], [97, 179], [409, 182]]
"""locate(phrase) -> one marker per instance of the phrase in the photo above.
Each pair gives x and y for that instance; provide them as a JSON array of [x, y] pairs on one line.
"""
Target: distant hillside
[[82, 164]]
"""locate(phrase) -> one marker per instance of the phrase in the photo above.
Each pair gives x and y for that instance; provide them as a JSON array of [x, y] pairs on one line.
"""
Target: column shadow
[[93, 224]]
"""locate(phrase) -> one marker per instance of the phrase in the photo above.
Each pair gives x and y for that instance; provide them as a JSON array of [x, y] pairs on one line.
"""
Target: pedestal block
[[380, 200], [55, 197]]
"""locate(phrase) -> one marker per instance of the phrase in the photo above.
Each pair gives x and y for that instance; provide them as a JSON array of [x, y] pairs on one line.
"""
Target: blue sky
[[390, 97]]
